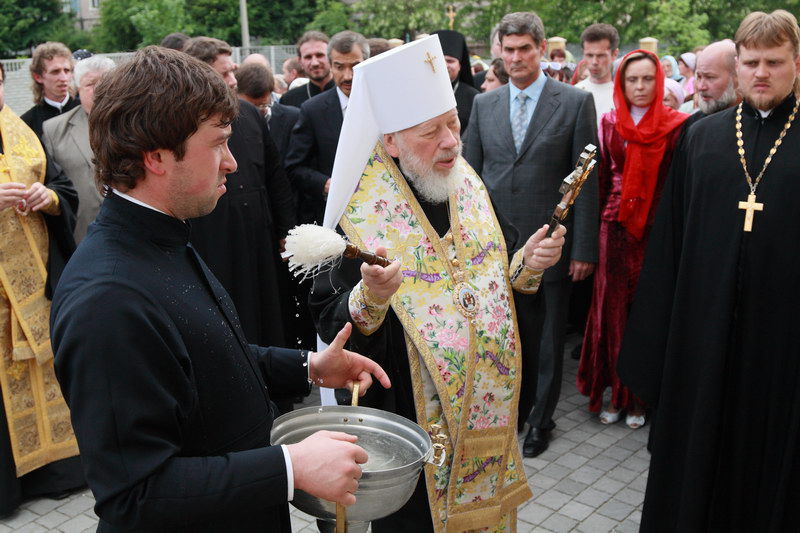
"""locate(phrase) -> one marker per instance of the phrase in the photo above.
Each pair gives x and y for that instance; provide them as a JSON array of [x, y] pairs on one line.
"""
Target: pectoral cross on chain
[[749, 207]]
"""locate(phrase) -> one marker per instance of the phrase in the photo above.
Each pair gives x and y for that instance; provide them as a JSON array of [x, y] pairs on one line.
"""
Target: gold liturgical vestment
[[457, 311], [38, 419]]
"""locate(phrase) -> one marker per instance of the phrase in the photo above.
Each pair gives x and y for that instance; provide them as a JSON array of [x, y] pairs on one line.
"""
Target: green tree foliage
[[157, 18], [26, 24], [116, 31], [401, 18], [332, 17]]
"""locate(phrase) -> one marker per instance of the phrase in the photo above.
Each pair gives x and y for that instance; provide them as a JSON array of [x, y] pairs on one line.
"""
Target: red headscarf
[[647, 142]]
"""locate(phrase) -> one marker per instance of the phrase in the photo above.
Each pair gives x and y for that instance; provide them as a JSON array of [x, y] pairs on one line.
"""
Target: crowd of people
[[145, 297]]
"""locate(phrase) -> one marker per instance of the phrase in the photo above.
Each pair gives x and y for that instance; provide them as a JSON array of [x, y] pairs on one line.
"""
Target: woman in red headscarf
[[636, 144]]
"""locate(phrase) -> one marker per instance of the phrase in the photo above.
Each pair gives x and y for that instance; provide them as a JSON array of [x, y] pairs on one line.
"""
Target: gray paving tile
[[640, 483], [618, 453], [571, 460], [533, 513], [541, 483], [587, 474], [570, 486], [31, 527], [622, 474], [558, 523], [555, 471], [52, 519], [603, 441], [587, 450], [553, 499], [596, 524], [636, 464], [630, 496], [576, 510], [76, 524], [606, 484], [593, 497], [603, 463], [616, 510], [627, 527], [42, 506]]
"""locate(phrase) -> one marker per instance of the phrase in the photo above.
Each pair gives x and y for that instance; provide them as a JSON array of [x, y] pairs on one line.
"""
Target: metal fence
[[18, 82]]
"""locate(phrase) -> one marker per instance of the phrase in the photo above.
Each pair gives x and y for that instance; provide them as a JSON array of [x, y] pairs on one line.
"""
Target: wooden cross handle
[[352, 251]]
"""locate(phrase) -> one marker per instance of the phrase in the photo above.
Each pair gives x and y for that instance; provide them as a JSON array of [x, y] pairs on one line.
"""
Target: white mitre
[[393, 91]]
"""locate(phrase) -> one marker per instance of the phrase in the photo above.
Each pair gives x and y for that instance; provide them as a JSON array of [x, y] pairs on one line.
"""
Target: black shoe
[[536, 441]]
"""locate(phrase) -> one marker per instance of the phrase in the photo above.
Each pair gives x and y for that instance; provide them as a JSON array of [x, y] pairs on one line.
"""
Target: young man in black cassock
[[170, 404], [712, 339]]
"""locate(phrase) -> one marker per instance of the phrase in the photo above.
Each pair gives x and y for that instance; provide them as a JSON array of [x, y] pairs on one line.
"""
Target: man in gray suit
[[66, 140], [523, 140]]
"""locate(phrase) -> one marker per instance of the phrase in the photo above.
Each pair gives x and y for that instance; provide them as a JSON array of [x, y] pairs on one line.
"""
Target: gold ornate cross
[[429, 60], [750, 207], [451, 14]]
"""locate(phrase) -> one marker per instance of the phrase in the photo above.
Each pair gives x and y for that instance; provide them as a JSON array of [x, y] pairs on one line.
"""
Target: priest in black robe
[[456, 56], [711, 340], [170, 402], [240, 239]]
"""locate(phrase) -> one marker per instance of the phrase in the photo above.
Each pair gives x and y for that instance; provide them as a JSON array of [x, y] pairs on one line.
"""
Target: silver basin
[[397, 449]]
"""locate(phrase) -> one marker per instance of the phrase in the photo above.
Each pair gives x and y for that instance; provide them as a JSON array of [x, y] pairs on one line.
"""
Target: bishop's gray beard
[[725, 100], [432, 186]]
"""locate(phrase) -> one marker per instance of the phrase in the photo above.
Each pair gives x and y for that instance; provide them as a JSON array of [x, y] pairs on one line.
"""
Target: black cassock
[[169, 403], [712, 338], [36, 116], [330, 308], [66, 474], [239, 239]]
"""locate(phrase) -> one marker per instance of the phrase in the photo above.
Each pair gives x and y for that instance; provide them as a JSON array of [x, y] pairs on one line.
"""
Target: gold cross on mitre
[[429, 59], [749, 207]]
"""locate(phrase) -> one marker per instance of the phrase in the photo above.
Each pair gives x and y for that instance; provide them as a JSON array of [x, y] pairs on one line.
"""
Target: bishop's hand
[[382, 282], [336, 367], [541, 252]]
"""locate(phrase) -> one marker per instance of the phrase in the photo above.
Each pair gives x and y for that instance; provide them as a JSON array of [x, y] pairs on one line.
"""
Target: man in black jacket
[[170, 404]]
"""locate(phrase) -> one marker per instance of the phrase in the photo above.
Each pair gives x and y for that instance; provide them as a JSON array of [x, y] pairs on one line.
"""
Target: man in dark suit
[[255, 83], [51, 69], [312, 50], [312, 147], [524, 138]]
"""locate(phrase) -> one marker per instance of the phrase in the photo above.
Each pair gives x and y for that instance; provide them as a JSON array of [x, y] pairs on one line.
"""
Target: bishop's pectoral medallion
[[750, 207]]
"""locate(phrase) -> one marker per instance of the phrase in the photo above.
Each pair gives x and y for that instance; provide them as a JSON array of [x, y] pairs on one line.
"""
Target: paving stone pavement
[[590, 480]]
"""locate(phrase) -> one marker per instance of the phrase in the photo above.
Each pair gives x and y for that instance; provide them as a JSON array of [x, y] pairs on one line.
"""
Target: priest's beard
[[718, 104], [432, 185], [764, 103]]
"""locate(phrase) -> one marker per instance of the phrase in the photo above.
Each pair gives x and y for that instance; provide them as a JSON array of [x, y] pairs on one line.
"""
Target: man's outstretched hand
[[335, 367]]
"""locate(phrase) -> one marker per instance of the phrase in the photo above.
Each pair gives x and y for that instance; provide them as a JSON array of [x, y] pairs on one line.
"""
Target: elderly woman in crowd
[[673, 94], [671, 70], [496, 75], [636, 144]]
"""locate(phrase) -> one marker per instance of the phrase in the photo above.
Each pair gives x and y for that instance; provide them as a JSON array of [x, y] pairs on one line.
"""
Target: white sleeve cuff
[[289, 473]]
